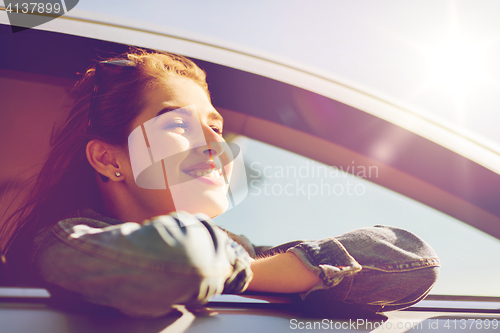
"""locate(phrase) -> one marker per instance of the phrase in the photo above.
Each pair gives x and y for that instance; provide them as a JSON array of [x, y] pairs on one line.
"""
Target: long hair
[[66, 181]]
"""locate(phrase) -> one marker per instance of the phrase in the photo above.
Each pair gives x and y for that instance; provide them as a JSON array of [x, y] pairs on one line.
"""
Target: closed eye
[[217, 130], [178, 126]]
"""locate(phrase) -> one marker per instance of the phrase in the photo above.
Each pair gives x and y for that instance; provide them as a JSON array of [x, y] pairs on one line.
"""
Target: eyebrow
[[213, 114], [173, 108]]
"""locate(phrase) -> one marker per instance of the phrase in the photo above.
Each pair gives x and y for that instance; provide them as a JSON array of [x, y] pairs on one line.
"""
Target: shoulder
[[84, 217]]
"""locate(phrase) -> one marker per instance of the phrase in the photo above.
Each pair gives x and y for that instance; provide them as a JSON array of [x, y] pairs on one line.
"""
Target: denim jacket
[[142, 270]]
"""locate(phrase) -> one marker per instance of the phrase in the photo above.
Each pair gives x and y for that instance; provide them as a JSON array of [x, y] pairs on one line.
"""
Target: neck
[[121, 203]]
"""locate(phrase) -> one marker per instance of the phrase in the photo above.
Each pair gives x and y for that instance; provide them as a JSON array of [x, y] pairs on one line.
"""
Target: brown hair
[[67, 181]]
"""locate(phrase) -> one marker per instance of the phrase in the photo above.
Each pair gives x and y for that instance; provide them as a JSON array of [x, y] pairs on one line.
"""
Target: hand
[[282, 273]]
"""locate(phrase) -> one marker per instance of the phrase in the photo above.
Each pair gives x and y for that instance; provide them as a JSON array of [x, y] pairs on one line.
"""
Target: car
[[322, 156]]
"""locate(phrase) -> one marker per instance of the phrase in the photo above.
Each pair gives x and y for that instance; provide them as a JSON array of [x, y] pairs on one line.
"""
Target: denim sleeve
[[379, 268], [142, 270]]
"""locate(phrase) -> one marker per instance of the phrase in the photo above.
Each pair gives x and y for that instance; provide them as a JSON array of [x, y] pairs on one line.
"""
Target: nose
[[212, 144]]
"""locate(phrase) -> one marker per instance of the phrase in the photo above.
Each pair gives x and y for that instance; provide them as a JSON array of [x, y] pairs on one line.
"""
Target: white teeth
[[206, 173]]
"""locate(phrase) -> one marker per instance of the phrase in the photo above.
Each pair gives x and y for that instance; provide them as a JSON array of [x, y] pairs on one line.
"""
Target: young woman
[[120, 213]]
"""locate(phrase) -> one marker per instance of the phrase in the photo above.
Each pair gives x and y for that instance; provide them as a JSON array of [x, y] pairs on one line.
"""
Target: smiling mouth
[[196, 173]]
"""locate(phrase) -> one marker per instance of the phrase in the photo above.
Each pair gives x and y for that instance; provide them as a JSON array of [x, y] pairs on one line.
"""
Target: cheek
[[175, 151], [169, 146], [229, 169], [225, 160], [167, 150]]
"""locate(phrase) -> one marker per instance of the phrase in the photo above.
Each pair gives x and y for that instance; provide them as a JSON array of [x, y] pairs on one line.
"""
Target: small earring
[[117, 174]]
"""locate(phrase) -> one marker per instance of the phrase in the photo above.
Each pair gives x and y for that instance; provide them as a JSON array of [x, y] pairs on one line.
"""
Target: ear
[[103, 158]]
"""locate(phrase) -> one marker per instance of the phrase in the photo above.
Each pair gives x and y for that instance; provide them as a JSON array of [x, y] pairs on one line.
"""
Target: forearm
[[142, 270], [282, 273]]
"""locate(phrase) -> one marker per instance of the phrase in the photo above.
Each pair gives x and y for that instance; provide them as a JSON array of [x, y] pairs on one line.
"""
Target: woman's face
[[178, 158]]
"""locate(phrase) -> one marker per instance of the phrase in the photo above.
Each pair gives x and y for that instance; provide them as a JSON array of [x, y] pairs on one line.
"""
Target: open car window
[[292, 197], [289, 196]]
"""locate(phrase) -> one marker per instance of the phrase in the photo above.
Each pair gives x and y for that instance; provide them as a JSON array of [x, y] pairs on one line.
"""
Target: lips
[[204, 173], [208, 170]]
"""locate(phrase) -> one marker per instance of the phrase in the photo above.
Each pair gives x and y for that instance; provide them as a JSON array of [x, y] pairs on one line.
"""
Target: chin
[[219, 209], [211, 206]]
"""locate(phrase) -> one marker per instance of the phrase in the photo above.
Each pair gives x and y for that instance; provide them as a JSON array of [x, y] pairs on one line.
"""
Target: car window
[[292, 197]]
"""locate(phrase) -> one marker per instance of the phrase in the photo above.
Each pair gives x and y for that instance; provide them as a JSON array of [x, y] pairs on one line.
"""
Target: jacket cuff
[[375, 268], [328, 259]]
